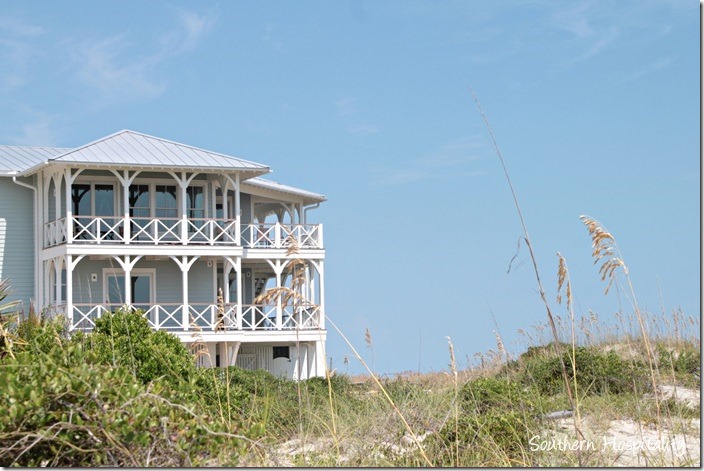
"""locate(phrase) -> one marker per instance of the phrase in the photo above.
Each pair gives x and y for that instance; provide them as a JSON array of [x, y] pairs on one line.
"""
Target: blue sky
[[595, 106]]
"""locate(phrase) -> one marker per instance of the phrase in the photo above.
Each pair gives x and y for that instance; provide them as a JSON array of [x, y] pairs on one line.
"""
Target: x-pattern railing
[[306, 235], [160, 314], [280, 235], [55, 232], [84, 315], [168, 316], [202, 315], [212, 231], [258, 317], [148, 230], [101, 229], [300, 317], [97, 229]]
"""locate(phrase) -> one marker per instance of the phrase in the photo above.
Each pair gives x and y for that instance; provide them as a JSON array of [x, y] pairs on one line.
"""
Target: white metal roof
[[276, 186], [15, 159], [133, 149]]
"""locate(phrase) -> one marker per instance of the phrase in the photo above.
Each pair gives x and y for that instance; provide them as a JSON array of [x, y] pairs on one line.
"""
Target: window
[[281, 352], [139, 201], [195, 202], [80, 198], [166, 203]]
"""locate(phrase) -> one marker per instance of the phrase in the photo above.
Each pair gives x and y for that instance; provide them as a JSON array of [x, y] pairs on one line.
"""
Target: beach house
[[191, 237]]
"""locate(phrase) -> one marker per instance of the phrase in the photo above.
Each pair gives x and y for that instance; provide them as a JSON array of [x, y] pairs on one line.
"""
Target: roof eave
[[255, 172]]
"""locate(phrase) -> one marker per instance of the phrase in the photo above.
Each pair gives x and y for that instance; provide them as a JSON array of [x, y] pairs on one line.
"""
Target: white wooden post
[[278, 269], [57, 285], [183, 183], [185, 265], [320, 359], [127, 266], [321, 277], [70, 265], [69, 205], [69, 290], [238, 212], [126, 181], [239, 293], [184, 286]]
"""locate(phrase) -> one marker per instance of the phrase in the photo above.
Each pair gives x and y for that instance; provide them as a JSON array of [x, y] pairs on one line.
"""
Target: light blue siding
[[168, 281], [17, 240]]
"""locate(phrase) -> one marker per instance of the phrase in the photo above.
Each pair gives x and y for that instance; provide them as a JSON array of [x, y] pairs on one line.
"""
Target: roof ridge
[[161, 139]]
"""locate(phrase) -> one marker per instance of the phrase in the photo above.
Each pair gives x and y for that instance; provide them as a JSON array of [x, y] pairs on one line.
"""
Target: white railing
[[165, 231], [280, 235], [212, 231], [98, 229], [154, 231], [206, 317], [55, 232]]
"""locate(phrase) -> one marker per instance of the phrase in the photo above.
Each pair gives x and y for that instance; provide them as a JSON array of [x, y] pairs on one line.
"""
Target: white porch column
[[278, 268], [57, 195], [69, 289], [321, 275], [70, 265], [69, 205], [183, 182], [70, 178], [320, 363], [126, 180], [238, 212], [128, 280], [184, 287], [279, 311], [57, 279], [239, 294], [185, 265], [234, 264]]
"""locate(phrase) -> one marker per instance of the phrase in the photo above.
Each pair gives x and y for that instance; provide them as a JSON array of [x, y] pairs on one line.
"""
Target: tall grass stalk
[[605, 247], [386, 394], [456, 410], [526, 238]]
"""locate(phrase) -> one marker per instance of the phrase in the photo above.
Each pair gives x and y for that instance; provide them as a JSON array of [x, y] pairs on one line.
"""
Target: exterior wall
[[17, 240], [168, 282]]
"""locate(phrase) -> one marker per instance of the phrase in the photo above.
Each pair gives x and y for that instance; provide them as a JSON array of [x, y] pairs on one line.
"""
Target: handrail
[[168, 231], [207, 316]]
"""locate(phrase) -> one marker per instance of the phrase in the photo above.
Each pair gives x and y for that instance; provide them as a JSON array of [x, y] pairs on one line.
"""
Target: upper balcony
[[191, 231]]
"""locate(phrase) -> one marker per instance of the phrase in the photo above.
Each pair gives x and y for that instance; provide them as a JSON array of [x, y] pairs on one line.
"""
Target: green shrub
[[497, 417], [596, 372], [125, 339], [685, 359], [63, 409]]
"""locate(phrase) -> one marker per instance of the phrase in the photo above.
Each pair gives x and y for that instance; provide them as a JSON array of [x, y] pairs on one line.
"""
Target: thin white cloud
[[39, 130], [452, 160], [362, 129], [103, 66], [122, 71], [346, 106], [16, 51], [185, 37], [650, 68], [268, 37]]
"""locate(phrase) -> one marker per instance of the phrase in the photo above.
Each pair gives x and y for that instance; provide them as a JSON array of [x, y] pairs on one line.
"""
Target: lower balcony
[[204, 317]]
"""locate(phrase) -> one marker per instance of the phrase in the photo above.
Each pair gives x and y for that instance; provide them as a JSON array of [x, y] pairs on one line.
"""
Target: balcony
[[155, 231], [205, 317]]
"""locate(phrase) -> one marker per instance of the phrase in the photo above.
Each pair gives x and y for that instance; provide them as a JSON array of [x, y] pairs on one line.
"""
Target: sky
[[594, 106]]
